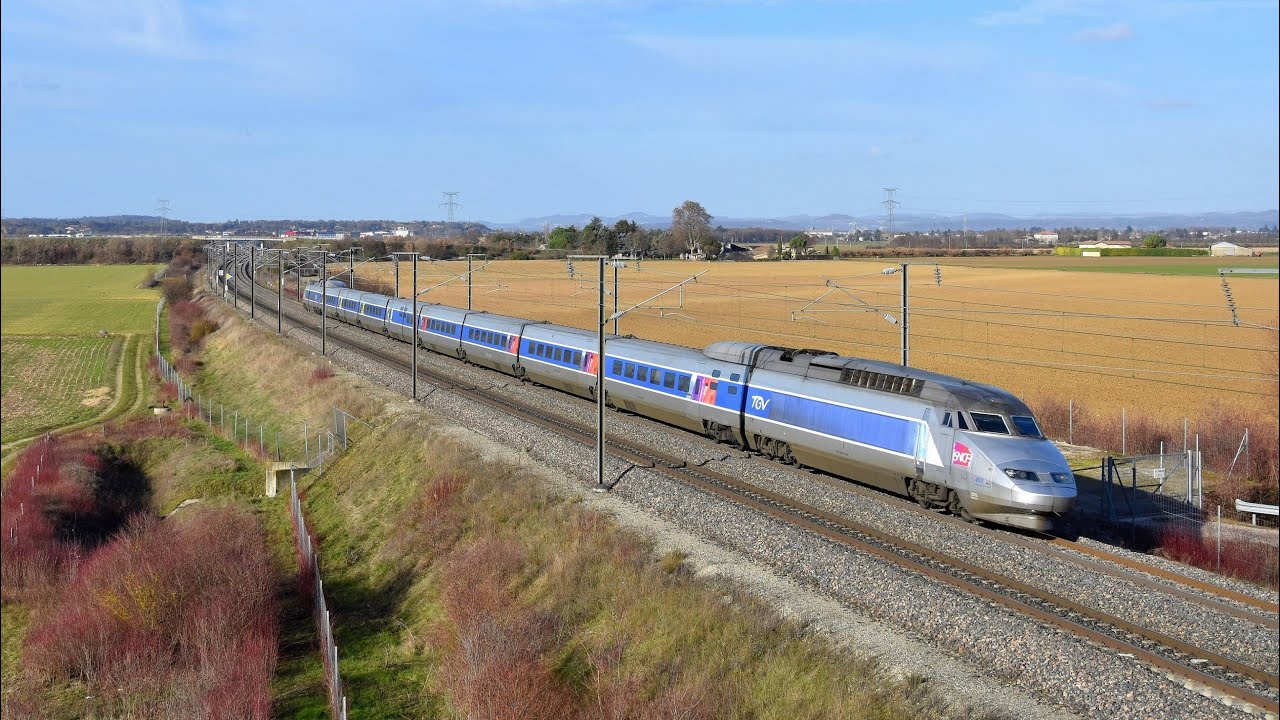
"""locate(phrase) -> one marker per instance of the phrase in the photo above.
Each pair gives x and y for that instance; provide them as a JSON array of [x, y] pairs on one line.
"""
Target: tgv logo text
[[759, 403]]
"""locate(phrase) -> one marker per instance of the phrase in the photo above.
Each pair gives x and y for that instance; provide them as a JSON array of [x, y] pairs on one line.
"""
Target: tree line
[[94, 251]]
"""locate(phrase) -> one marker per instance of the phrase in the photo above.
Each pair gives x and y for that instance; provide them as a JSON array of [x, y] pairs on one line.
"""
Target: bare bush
[[175, 618]]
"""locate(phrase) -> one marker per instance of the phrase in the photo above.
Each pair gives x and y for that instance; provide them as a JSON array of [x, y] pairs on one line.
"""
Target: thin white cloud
[[875, 151], [1036, 12], [1111, 33], [1170, 103]]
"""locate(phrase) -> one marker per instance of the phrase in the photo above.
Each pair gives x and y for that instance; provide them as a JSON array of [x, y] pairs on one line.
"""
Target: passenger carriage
[[440, 329], [400, 318], [492, 341], [676, 385], [560, 357]]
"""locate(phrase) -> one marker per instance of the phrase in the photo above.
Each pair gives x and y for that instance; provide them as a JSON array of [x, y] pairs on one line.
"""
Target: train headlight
[[1063, 477], [1021, 474]]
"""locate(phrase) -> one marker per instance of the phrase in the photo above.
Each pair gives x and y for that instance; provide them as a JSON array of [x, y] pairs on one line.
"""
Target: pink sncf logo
[[961, 455]]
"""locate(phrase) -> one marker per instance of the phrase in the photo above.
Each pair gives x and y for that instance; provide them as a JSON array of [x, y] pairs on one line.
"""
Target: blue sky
[[246, 109]]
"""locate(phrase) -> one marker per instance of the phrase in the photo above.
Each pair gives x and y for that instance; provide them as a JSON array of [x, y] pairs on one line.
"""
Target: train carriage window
[[946, 420], [715, 373], [989, 423], [964, 424], [617, 367], [655, 376], [642, 373], [559, 355], [669, 381], [1026, 426], [733, 389], [735, 377], [577, 358], [684, 383], [630, 371]]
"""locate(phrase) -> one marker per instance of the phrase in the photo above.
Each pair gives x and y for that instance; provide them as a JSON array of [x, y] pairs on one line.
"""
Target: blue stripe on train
[[862, 426]]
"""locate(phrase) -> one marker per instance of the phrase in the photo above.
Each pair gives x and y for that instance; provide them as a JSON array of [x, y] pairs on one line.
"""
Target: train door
[[952, 473]]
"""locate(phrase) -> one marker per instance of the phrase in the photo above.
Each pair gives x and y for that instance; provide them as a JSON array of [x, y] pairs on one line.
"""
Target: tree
[[562, 238], [1154, 240], [690, 224]]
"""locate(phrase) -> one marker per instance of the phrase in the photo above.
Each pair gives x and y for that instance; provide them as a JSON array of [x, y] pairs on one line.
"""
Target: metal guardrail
[[1256, 509]]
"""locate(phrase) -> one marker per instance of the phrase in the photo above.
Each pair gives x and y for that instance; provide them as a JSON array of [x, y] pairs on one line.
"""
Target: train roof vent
[[884, 382], [733, 351]]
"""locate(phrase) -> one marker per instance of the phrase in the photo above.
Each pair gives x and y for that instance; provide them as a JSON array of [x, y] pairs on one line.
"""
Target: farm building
[[1224, 249], [1105, 245]]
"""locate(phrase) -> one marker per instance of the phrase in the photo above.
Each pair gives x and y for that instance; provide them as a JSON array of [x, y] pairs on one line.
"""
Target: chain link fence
[[1158, 488]]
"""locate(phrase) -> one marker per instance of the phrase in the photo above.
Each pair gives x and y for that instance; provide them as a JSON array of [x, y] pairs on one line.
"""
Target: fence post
[[1219, 538], [1071, 422], [1124, 433]]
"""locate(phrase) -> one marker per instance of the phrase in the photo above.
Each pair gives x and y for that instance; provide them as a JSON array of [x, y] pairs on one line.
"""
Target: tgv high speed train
[[972, 449]]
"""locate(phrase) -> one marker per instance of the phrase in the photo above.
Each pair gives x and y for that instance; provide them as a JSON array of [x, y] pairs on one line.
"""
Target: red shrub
[[1252, 561], [46, 497], [178, 615], [320, 374]]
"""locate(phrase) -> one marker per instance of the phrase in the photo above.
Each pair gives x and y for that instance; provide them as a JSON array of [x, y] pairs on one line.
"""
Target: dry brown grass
[[1014, 327]]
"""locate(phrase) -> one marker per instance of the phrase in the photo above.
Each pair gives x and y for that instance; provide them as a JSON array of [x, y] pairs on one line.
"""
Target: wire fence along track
[[309, 572], [1222, 674], [328, 444]]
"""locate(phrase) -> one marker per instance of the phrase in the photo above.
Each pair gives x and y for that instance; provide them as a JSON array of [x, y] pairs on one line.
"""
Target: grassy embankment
[[460, 584]]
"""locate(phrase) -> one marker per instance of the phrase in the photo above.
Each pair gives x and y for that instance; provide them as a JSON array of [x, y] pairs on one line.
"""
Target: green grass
[[50, 382], [76, 299]]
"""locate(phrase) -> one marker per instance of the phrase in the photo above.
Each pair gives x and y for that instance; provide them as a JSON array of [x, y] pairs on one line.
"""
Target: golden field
[[1161, 344]]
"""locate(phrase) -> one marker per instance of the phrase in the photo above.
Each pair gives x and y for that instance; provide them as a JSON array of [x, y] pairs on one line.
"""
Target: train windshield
[[1027, 426], [989, 423]]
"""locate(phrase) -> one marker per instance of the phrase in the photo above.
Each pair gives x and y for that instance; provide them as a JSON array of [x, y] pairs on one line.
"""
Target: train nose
[[1044, 497]]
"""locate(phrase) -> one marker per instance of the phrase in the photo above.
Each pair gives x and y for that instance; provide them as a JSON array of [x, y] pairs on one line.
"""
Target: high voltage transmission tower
[[450, 203], [890, 203], [162, 210]]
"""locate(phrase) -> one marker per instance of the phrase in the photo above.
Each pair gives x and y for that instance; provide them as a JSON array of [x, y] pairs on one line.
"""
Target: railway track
[[1173, 656]]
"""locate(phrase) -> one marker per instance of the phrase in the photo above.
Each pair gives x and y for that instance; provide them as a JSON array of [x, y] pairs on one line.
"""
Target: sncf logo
[[961, 455]]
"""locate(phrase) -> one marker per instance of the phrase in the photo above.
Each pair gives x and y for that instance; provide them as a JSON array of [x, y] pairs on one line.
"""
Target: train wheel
[[918, 491]]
